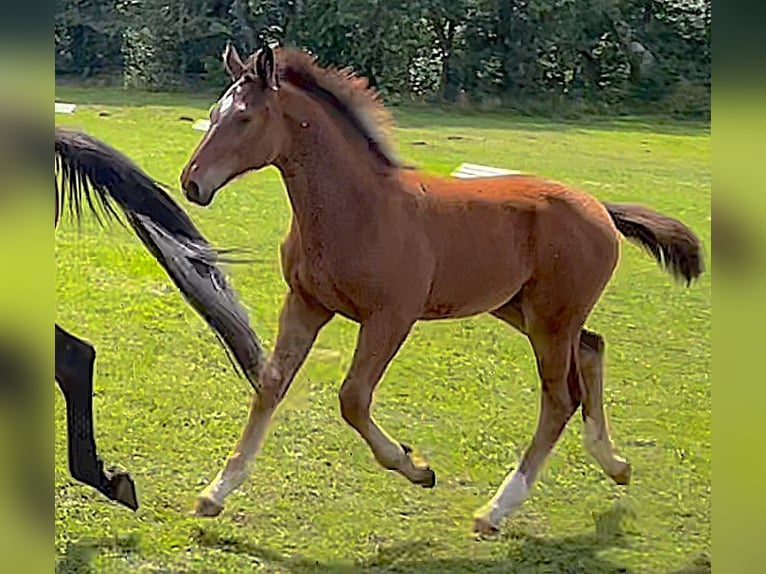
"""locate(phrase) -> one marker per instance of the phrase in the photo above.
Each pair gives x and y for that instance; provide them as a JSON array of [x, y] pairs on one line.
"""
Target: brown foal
[[386, 246]]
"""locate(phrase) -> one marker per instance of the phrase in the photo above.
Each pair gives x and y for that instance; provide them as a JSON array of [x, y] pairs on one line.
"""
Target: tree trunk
[[503, 32], [446, 38]]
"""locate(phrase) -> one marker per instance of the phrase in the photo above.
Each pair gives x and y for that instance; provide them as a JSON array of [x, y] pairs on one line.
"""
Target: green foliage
[[610, 54], [168, 43], [87, 36]]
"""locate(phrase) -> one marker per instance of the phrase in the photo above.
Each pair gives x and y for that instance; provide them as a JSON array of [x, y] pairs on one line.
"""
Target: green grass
[[463, 393]]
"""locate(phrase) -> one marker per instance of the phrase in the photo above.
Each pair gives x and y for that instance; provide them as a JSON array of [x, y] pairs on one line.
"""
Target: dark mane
[[345, 92]]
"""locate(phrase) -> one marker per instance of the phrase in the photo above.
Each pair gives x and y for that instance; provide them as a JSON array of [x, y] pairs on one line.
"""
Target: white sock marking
[[509, 497]]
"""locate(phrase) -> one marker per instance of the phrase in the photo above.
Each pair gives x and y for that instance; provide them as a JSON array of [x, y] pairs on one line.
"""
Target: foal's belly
[[483, 260], [467, 304], [467, 292]]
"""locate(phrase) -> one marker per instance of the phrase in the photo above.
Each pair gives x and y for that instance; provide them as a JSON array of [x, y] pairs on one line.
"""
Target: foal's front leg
[[379, 340], [299, 324]]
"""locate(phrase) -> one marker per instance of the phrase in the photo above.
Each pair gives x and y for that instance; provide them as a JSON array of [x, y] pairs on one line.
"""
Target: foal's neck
[[331, 179]]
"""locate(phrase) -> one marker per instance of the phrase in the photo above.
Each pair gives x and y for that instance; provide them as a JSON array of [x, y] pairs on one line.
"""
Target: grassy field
[[463, 393]]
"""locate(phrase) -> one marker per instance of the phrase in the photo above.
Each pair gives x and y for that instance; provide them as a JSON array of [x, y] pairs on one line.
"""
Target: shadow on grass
[[527, 554], [702, 565], [521, 553], [78, 556]]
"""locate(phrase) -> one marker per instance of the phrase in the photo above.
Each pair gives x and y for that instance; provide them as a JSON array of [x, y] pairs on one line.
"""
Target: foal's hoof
[[121, 487], [417, 472], [206, 507], [622, 477], [424, 477], [483, 527], [429, 480]]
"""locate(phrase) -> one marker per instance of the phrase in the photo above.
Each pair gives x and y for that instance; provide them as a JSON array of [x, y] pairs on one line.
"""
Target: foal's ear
[[266, 67], [232, 62]]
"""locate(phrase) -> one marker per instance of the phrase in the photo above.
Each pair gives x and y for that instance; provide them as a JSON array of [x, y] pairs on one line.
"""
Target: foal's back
[[509, 208], [489, 236]]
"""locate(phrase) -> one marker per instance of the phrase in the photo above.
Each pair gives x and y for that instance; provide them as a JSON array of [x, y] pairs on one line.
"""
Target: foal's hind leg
[[595, 428], [74, 375], [379, 339], [559, 373]]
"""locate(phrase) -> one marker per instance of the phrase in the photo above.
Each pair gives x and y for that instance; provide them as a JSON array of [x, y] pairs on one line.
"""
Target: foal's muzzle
[[192, 188], [192, 192]]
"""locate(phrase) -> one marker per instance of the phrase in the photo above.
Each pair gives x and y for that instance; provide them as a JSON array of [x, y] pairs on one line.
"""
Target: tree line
[[603, 55]]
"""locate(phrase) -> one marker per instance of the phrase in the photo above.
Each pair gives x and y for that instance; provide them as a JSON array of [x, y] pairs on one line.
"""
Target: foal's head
[[250, 129], [247, 130]]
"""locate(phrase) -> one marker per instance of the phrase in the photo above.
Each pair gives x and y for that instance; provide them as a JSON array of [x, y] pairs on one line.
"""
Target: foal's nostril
[[192, 190]]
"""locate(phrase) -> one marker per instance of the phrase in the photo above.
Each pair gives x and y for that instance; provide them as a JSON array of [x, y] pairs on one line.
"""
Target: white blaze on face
[[217, 173], [226, 103]]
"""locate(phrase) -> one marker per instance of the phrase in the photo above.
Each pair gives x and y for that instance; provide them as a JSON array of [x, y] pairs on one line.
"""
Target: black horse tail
[[88, 171], [675, 247]]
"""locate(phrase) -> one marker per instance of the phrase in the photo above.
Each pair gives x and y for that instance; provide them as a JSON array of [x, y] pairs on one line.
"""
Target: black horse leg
[[74, 374]]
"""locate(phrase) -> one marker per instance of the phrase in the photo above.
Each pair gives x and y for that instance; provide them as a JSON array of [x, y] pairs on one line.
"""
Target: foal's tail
[[93, 173], [670, 242]]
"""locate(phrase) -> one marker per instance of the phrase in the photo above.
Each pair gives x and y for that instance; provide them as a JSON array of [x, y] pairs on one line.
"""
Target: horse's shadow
[[532, 554], [521, 553]]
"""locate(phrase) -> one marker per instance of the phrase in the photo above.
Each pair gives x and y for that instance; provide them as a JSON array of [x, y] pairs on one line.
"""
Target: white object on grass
[[62, 108], [201, 125], [472, 170]]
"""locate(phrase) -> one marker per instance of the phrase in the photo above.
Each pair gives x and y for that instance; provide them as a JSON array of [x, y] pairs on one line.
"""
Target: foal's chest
[[324, 279]]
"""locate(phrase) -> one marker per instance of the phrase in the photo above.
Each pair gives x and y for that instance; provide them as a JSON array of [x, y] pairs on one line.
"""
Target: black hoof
[[122, 488], [430, 480], [405, 447]]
